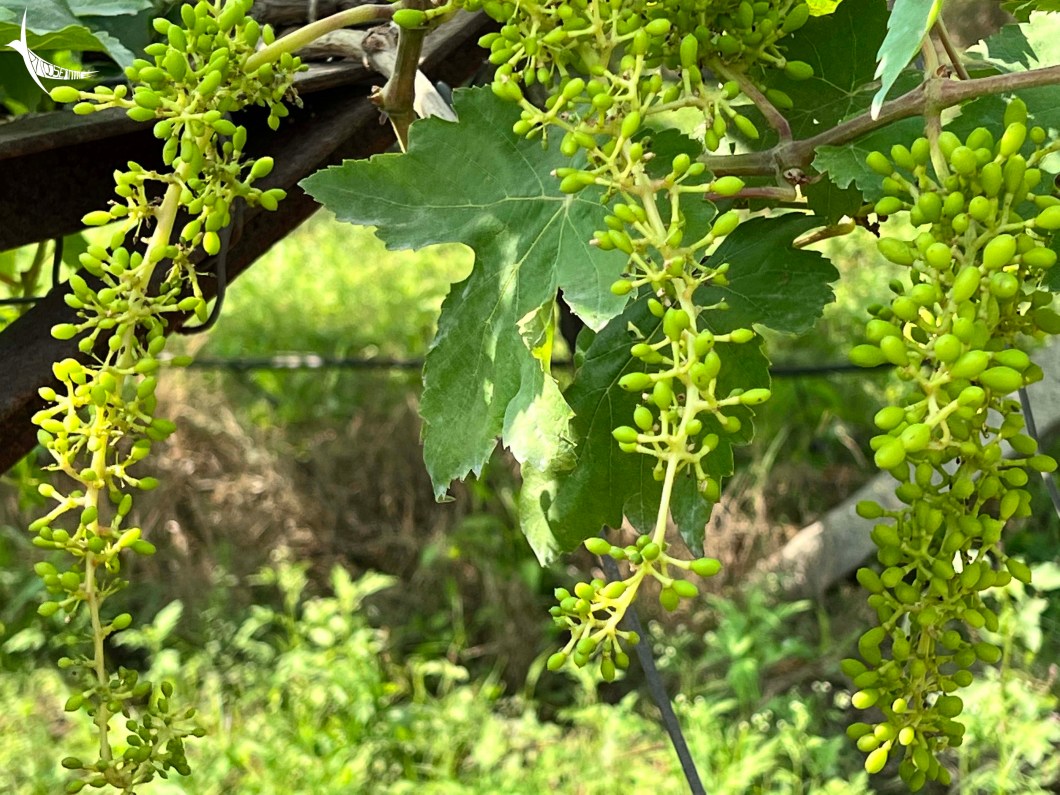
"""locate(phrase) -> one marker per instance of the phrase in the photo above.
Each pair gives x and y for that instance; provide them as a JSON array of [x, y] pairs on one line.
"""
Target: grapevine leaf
[[845, 165], [907, 27], [829, 202], [840, 86], [607, 483], [771, 283], [108, 8], [480, 378]]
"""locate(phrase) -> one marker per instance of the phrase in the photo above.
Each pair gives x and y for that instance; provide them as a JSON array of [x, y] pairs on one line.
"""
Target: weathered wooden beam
[[333, 125]]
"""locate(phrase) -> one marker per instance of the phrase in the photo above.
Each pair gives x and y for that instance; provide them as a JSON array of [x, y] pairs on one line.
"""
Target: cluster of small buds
[[99, 422], [593, 612]]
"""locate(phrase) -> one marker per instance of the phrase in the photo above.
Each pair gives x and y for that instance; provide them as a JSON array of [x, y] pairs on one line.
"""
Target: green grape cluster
[[595, 73], [956, 332], [639, 57], [592, 613], [99, 419]]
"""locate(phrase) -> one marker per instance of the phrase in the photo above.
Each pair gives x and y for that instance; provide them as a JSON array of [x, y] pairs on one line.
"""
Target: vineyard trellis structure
[[57, 167]]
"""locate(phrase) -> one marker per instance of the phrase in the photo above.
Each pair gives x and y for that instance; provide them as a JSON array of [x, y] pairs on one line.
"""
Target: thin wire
[[220, 272], [57, 261], [1032, 429], [658, 689], [314, 361]]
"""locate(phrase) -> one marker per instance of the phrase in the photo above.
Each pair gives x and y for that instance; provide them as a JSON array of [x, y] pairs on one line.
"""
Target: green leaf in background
[[1022, 9], [108, 8], [608, 484], [480, 377], [840, 86], [819, 8], [54, 25], [771, 283], [909, 23]]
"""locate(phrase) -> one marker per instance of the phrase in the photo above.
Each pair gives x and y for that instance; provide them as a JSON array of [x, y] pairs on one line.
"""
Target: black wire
[[220, 272], [658, 689], [32, 299], [1032, 429], [57, 261], [312, 361]]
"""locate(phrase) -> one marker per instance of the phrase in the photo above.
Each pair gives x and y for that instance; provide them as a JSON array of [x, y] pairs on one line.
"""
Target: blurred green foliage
[[303, 694], [333, 290]]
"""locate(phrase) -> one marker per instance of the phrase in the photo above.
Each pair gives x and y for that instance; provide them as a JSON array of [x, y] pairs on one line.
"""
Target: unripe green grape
[[798, 70], [643, 418], [727, 186], [689, 51], [890, 455], [685, 589], [675, 321], [635, 382], [1014, 170], [963, 160], [746, 127], [669, 599], [1001, 379], [894, 351], [755, 397], [1040, 257], [621, 287], [1014, 358], [888, 418], [597, 545], [741, 336], [947, 143], [966, 284], [869, 580], [999, 251], [705, 567], [879, 163], [1012, 139], [866, 356], [409, 18], [556, 661], [662, 393], [625, 434], [916, 437], [1004, 285], [896, 251], [65, 94], [889, 205], [1048, 219]]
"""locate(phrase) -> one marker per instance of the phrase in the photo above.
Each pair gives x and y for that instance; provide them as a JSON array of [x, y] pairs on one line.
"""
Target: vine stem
[[773, 116], [397, 97], [933, 109], [951, 51], [296, 40], [657, 688], [800, 153]]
